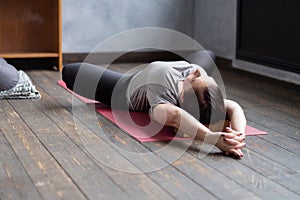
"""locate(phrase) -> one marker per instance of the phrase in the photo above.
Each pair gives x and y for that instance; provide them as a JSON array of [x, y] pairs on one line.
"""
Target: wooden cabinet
[[31, 29]]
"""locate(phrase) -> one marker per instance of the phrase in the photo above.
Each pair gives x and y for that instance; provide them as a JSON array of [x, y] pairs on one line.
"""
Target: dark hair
[[205, 104]]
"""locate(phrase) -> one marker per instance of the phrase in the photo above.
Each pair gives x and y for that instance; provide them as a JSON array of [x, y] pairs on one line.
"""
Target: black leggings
[[98, 83], [91, 81]]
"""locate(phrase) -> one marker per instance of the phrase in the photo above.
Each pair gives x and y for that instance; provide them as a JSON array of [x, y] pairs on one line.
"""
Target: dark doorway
[[268, 33]]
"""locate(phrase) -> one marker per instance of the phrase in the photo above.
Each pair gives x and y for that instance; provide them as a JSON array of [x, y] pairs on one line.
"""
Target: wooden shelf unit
[[31, 29]]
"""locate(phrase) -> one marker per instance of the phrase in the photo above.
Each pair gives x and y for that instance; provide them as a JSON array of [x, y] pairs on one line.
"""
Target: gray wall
[[215, 26], [86, 23]]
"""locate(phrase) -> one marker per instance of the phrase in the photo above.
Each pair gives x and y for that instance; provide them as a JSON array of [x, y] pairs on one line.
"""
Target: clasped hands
[[231, 142]]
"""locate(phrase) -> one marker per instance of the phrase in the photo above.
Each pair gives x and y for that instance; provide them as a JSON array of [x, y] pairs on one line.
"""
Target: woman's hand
[[231, 143], [237, 135]]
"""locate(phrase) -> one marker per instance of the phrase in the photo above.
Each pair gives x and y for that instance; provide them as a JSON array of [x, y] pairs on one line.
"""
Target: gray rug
[[24, 89]]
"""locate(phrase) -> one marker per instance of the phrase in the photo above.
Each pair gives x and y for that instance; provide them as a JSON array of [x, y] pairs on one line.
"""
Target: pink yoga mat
[[139, 125]]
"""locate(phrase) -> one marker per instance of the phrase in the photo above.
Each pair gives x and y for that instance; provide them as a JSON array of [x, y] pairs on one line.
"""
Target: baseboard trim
[[137, 57], [269, 72], [129, 57]]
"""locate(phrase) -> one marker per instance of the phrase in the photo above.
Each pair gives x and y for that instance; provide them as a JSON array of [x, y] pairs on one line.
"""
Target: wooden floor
[[51, 150]]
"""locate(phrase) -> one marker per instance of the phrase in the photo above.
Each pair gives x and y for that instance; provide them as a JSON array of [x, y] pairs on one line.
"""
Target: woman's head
[[203, 98]]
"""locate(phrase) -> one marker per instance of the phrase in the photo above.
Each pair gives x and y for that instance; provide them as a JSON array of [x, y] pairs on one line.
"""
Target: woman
[[176, 94]]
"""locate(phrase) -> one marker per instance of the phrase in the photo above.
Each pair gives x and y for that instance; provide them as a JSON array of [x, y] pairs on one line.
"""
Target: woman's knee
[[211, 55], [203, 58]]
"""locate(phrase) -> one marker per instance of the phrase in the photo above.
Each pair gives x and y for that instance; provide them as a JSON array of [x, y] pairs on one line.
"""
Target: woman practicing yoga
[[176, 94]]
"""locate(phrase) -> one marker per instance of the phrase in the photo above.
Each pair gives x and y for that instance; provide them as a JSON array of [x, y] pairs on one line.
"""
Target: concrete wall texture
[[86, 23], [215, 26]]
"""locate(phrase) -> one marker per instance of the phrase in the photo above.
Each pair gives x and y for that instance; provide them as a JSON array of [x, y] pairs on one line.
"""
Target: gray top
[[9, 76], [157, 84]]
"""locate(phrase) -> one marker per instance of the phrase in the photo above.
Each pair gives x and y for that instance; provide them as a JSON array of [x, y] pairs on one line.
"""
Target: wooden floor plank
[[275, 153], [168, 174], [267, 108], [280, 132], [239, 176], [63, 144], [129, 182], [263, 88], [277, 138], [255, 182], [200, 172], [14, 180], [248, 99], [286, 177], [186, 187], [256, 114], [274, 101], [93, 182], [48, 177], [272, 182]]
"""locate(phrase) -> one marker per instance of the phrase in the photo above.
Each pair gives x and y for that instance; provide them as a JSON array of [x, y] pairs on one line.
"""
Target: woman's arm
[[170, 115], [236, 116], [237, 121]]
